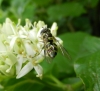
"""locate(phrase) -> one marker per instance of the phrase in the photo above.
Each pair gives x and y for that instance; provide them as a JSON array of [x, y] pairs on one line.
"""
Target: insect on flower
[[51, 45]]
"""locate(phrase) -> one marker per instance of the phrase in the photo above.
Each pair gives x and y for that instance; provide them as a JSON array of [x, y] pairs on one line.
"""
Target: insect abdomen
[[52, 50]]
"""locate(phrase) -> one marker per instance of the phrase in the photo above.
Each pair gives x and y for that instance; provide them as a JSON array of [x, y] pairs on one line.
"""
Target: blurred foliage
[[71, 16]]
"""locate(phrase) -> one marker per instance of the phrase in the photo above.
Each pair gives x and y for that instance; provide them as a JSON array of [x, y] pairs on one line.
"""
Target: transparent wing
[[63, 50], [47, 58]]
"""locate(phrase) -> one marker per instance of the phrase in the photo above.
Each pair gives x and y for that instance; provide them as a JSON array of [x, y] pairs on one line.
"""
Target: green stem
[[56, 83], [69, 24], [23, 82], [64, 87], [56, 80]]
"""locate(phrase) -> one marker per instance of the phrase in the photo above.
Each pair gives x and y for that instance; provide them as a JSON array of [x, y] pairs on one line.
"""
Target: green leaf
[[87, 65], [18, 7], [67, 9], [41, 3], [29, 12], [29, 87], [27, 84], [90, 45], [0, 2]]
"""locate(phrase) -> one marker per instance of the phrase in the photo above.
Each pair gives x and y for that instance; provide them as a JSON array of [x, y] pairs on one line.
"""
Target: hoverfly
[[51, 45]]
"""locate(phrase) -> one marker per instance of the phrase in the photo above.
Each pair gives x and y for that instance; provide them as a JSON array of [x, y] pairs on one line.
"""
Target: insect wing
[[47, 58], [63, 50]]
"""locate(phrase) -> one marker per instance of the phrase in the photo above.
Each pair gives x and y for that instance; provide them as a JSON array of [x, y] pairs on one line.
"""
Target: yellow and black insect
[[51, 45]]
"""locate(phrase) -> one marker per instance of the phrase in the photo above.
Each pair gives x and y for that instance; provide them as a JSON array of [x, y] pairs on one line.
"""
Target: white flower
[[21, 48], [54, 29]]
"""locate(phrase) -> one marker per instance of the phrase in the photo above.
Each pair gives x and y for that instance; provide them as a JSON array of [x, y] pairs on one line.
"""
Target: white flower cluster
[[21, 48]]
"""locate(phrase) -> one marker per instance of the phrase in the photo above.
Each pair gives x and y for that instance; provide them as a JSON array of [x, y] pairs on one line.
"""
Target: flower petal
[[19, 63], [54, 29], [41, 24], [33, 35], [29, 49], [59, 40], [7, 27], [2, 46], [39, 70], [12, 42], [27, 68]]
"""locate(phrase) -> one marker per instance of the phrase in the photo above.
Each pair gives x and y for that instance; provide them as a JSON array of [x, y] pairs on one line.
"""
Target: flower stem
[[65, 87]]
